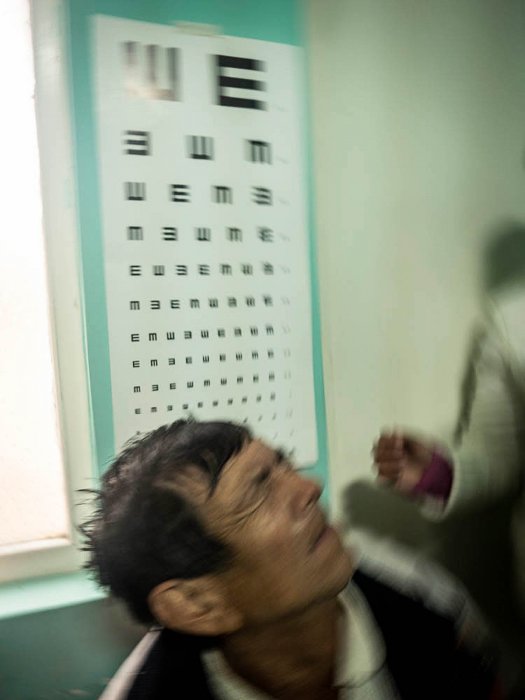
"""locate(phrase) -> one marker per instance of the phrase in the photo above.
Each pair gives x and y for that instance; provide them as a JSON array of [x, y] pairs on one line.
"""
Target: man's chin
[[340, 575]]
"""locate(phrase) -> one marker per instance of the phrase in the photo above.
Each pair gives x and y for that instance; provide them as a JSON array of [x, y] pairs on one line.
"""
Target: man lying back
[[212, 537]]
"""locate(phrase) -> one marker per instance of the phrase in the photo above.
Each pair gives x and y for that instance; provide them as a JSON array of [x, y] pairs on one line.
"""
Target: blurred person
[[485, 461], [210, 535], [482, 467]]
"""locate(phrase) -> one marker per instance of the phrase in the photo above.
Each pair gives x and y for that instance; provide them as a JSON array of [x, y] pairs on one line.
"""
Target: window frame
[[64, 272]]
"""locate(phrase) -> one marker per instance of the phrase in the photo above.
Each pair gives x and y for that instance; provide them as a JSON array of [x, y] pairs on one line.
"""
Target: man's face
[[286, 557]]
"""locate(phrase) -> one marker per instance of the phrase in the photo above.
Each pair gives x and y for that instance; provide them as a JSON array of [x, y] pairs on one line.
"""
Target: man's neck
[[290, 658]]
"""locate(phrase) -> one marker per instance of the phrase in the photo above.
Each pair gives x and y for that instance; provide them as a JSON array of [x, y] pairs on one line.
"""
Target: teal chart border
[[273, 20]]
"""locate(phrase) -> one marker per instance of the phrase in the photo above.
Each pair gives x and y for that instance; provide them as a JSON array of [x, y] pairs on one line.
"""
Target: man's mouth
[[320, 537]]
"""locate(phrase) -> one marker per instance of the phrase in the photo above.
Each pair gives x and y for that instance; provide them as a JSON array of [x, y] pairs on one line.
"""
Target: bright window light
[[33, 502]]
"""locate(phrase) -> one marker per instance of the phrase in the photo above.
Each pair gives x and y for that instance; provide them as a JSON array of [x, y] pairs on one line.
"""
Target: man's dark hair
[[144, 531]]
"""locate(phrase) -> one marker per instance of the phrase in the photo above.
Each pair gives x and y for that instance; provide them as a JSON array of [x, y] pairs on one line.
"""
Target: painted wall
[[418, 137], [418, 141]]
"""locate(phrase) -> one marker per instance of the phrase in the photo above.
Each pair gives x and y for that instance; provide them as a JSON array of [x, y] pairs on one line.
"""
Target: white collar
[[361, 652], [361, 647]]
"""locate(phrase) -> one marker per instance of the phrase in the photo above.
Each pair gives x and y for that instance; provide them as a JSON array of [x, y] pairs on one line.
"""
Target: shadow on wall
[[503, 261]]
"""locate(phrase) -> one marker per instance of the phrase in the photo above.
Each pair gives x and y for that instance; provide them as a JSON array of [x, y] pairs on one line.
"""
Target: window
[[45, 451]]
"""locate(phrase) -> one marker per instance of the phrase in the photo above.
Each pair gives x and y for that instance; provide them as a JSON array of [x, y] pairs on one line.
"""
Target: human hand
[[401, 460]]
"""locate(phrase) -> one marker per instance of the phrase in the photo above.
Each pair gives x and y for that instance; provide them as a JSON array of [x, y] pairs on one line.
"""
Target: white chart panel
[[204, 231]]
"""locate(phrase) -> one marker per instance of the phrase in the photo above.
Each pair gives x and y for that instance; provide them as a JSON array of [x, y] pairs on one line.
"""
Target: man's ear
[[196, 606]]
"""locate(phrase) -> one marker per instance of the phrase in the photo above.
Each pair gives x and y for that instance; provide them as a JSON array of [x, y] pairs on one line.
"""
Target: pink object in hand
[[437, 478]]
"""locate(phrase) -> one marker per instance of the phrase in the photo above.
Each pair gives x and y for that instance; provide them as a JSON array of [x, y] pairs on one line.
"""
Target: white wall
[[418, 135]]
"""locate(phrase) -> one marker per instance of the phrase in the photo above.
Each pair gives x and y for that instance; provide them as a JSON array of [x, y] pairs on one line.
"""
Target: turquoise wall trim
[[273, 20], [69, 652]]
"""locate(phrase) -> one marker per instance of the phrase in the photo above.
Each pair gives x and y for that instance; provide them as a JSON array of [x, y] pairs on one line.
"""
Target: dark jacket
[[422, 655]]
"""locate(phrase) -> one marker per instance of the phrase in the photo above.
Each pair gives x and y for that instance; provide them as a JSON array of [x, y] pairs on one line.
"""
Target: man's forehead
[[195, 482], [253, 454]]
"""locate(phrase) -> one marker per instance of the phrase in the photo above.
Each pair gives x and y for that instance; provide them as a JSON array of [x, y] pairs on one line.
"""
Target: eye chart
[[204, 231]]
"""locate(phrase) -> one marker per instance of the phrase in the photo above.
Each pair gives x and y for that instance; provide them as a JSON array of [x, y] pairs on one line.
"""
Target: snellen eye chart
[[205, 237]]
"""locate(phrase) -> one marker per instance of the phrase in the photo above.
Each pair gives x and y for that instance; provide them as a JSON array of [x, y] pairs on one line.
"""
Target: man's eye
[[280, 456], [283, 459], [262, 476]]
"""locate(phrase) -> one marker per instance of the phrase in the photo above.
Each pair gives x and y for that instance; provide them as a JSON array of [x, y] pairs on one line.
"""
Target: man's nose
[[305, 494]]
